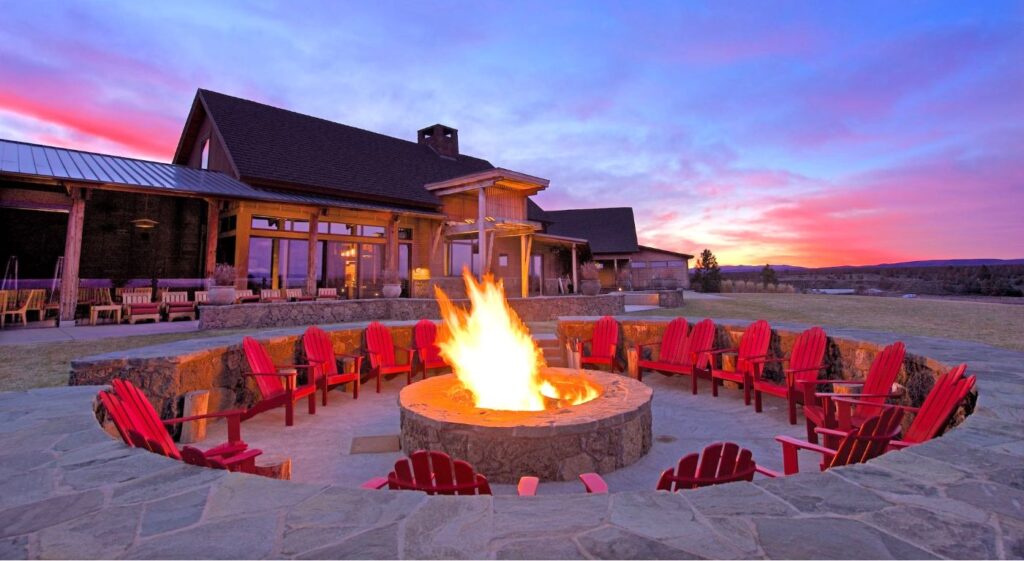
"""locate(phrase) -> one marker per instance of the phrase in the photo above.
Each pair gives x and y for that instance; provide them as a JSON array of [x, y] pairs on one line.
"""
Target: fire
[[493, 355]]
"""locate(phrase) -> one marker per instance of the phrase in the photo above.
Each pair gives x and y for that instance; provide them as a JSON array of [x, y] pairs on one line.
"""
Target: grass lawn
[[41, 365], [999, 325]]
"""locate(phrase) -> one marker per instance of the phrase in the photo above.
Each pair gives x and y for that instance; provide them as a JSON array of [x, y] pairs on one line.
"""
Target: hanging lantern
[[145, 223]]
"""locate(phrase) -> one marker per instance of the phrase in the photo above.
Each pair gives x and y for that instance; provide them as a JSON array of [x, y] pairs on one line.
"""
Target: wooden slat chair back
[[145, 419], [870, 440], [270, 295], [673, 342], [178, 305], [320, 352], [881, 376], [174, 297], [3, 307], [435, 473], [380, 345], [750, 356], [700, 341], [21, 302], [202, 296], [721, 462], [327, 293], [260, 362], [140, 307], [425, 335], [383, 360], [804, 364], [118, 416], [604, 342], [129, 298]]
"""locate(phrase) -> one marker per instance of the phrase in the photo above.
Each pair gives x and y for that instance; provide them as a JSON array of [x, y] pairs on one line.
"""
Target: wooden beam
[[28, 199], [72, 258], [314, 232], [481, 223], [212, 235], [490, 249], [575, 267], [243, 225]]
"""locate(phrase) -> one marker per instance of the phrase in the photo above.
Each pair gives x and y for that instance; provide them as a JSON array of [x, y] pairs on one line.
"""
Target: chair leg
[[355, 390], [289, 413], [792, 409], [757, 401], [312, 403], [693, 381], [325, 388], [378, 380], [714, 386], [746, 393], [812, 436]]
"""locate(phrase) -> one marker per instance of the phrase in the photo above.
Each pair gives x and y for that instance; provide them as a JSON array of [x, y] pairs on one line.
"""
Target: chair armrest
[[723, 351], [838, 395], [790, 458], [853, 401], [641, 346], [527, 486], [594, 483], [410, 354], [282, 366], [817, 381], [765, 471], [900, 444], [178, 420], [808, 369], [375, 483], [832, 432], [241, 457], [804, 445]]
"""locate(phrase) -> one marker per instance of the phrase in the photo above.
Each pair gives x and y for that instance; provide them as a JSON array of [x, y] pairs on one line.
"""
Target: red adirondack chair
[[931, 418], [273, 391], [856, 447], [876, 388], [425, 334], [435, 473], [603, 344], [139, 425], [381, 349], [721, 462], [669, 350], [320, 352], [750, 356], [805, 361], [694, 355]]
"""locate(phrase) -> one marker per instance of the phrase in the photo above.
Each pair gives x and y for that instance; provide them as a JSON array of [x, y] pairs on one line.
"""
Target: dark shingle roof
[[273, 145], [535, 213], [609, 230]]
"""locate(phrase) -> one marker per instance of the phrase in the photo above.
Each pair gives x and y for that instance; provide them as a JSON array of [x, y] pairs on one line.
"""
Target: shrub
[[589, 271], [224, 275]]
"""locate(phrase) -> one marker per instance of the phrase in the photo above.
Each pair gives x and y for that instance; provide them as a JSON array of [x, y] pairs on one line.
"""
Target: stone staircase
[[548, 343]]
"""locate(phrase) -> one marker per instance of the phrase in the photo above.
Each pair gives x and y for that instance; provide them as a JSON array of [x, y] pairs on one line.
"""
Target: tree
[[706, 275], [768, 276]]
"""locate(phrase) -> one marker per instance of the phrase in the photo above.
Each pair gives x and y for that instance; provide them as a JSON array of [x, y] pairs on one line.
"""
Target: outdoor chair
[[273, 391], [876, 388], [138, 307], [750, 356], [666, 353], [295, 295], [177, 305], [33, 300], [327, 294], [139, 425], [721, 462], [245, 297], [271, 295], [381, 348], [429, 354], [804, 362], [869, 441], [320, 353], [603, 345], [930, 420], [3, 308], [435, 473], [201, 297]]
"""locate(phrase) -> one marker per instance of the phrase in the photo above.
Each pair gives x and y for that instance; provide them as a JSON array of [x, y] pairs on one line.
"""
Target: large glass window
[[372, 231], [292, 258], [462, 254], [339, 268], [261, 261], [371, 268], [404, 267]]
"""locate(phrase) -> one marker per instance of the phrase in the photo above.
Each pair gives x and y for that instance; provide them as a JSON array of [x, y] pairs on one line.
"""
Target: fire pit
[[506, 413], [606, 433]]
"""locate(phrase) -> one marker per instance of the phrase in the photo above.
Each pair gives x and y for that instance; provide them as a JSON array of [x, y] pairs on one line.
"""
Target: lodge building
[[293, 201]]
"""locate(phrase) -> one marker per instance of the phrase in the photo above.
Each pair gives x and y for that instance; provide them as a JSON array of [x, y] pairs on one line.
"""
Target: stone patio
[[69, 490]]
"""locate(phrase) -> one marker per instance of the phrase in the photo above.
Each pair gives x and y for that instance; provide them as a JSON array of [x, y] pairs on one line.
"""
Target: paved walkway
[[68, 490], [32, 334]]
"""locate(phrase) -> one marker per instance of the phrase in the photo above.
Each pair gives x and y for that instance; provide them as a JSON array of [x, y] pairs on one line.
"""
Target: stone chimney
[[444, 140]]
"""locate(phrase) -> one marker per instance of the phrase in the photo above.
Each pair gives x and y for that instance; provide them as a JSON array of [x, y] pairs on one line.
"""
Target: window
[[405, 233], [204, 162], [462, 254], [296, 225], [372, 231], [639, 264], [503, 260], [265, 223], [658, 264], [677, 264], [227, 223]]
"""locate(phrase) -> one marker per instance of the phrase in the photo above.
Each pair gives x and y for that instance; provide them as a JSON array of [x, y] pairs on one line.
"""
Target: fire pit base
[[607, 433]]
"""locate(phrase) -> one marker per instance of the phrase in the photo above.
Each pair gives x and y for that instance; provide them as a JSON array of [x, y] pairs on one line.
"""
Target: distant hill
[[905, 264]]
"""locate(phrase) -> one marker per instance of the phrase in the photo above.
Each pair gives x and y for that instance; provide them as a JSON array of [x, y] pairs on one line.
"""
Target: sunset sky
[[808, 133]]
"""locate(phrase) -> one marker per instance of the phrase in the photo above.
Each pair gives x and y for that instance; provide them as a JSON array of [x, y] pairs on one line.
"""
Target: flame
[[494, 356]]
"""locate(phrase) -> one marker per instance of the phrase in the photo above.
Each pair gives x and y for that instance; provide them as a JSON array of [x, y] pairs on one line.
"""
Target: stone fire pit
[[607, 433]]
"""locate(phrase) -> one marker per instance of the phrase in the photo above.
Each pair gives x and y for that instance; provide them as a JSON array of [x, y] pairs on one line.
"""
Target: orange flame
[[494, 356]]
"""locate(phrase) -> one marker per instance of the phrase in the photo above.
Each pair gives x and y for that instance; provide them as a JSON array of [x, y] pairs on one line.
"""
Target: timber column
[[212, 234], [314, 234], [72, 258]]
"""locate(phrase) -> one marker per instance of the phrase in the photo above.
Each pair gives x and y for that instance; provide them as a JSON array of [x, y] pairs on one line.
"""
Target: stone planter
[[392, 290], [590, 287], [220, 295]]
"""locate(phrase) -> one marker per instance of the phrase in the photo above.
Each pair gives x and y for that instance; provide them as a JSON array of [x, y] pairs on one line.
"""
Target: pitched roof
[[534, 212], [609, 230], [666, 251], [283, 148]]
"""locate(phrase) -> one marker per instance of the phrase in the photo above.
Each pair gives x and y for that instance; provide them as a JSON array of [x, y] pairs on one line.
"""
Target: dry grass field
[[999, 325]]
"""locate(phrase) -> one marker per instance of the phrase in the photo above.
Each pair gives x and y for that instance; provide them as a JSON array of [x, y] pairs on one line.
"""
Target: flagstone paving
[[69, 490]]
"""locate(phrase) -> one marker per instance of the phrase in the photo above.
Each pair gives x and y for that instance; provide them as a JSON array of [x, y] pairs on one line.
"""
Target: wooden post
[[481, 224], [196, 403], [314, 233], [524, 267], [275, 262], [391, 241], [633, 363], [575, 280], [242, 227], [72, 258], [212, 234], [490, 248]]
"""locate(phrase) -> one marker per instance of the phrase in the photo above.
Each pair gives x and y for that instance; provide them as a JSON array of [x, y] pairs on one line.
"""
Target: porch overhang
[[497, 177]]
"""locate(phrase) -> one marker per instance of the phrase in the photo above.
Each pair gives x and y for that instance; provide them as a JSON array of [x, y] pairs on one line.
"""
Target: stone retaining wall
[[284, 314]]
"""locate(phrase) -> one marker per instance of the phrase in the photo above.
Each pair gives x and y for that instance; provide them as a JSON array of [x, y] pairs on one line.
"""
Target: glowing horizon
[[798, 134]]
